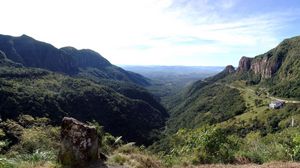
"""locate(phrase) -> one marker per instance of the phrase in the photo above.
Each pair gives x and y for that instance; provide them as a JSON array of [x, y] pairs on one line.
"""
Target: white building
[[276, 104]]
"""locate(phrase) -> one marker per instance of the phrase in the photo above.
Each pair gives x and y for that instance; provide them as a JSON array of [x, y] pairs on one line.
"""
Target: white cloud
[[144, 32]]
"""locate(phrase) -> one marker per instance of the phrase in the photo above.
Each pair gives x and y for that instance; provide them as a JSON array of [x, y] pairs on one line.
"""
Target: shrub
[[37, 138], [202, 145], [6, 163], [257, 149], [296, 148]]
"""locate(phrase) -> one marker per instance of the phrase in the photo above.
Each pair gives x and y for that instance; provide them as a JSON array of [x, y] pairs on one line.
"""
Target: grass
[[131, 156], [253, 111], [267, 165], [36, 160]]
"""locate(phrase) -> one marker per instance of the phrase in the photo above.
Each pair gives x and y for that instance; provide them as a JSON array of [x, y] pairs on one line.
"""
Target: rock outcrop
[[79, 144], [244, 64], [265, 65], [229, 69]]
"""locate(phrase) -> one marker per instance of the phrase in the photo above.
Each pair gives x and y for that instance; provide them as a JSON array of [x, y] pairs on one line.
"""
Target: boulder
[[79, 144]]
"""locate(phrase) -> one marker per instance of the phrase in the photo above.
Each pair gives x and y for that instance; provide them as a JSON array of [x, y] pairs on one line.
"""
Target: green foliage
[[260, 150], [40, 93], [202, 145], [132, 156], [118, 159], [283, 65], [296, 148], [288, 89], [38, 138], [37, 156], [6, 163], [68, 60], [107, 142], [33, 143], [208, 105], [37, 159]]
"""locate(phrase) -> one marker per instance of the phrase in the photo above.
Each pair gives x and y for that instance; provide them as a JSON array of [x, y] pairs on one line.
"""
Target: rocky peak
[[265, 65], [229, 69], [244, 64]]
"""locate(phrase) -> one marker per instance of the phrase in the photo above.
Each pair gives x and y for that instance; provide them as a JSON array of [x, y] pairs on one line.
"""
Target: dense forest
[[222, 119]]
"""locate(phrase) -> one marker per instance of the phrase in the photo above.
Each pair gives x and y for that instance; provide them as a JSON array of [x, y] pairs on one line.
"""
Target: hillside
[[42, 93], [277, 69], [226, 118], [206, 102], [230, 92], [68, 60], [166, 81]]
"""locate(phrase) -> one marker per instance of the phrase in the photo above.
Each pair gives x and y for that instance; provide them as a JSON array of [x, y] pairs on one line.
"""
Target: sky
[[157, 32]]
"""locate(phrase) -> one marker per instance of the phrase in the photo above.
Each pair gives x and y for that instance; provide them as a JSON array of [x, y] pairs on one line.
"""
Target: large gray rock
[[79, 144]]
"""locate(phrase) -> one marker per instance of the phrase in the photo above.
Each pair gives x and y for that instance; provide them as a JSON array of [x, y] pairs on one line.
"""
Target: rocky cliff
[[265, 66], [269, 64], [277, 69]]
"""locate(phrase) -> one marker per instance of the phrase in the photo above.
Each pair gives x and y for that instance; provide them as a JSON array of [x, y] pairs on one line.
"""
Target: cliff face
[[267, 65], [281, 64], [264, 66], [244, 64]]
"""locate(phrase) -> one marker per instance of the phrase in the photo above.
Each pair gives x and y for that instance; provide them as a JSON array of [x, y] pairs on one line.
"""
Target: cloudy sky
[[157, 32]]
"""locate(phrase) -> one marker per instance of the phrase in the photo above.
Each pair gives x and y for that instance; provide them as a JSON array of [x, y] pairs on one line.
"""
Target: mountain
[[227, 117], [166, 81], [235, 93], [205, 102], [42, 93], [68, 60], [165, 72], [43, 81], [6, 62], [277, 69]]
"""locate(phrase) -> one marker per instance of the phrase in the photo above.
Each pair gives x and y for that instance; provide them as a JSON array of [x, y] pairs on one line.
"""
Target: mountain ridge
[[42, 93], [68, 60], [277, 69], [275, 72]]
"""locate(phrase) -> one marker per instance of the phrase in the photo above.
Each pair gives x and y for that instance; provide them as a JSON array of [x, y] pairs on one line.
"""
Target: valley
[[157, 116], [166, 81]]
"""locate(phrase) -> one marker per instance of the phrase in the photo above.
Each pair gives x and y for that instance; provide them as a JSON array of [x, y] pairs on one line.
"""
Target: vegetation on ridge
[[41, 93], [223, 119]]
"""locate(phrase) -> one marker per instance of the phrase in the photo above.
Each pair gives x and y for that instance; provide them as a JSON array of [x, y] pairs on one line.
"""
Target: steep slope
[[67, 60], [206, 102], [43, 93], [240, 96], [133, 91], [235, 103], [278, 69], [6, 62]]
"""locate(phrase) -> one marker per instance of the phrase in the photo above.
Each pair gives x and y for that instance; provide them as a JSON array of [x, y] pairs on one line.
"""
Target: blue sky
[[157, 32]]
